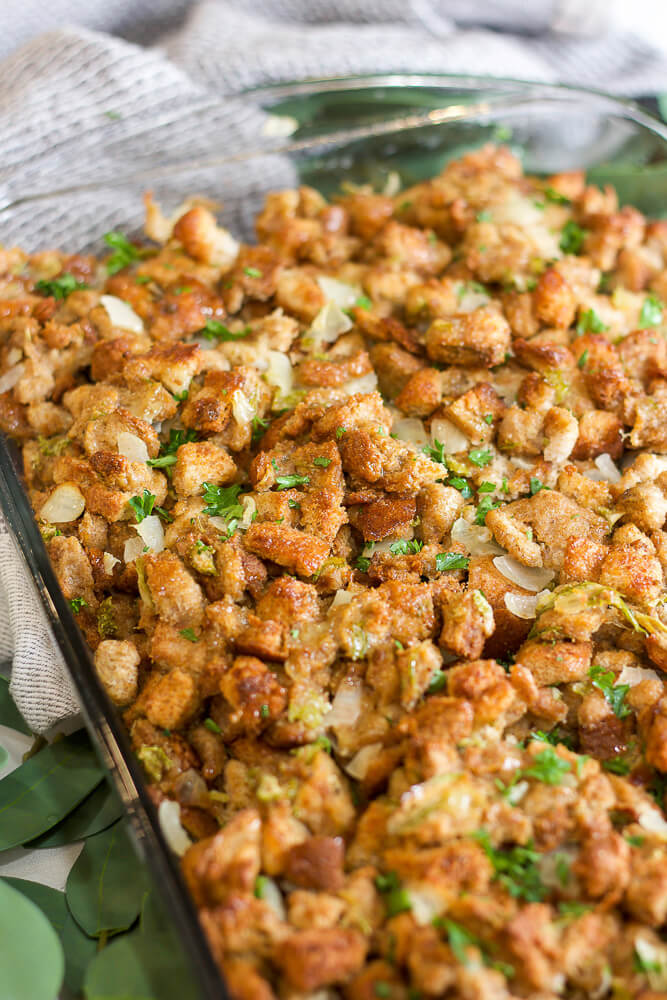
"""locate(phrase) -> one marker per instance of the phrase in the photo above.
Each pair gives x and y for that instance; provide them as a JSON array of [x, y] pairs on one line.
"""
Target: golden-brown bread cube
[[199, 462], [176, 597], [116, 665], [481, 337], [171, 700], [313, 959]]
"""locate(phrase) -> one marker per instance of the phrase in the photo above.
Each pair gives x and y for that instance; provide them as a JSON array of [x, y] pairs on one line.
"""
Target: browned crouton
[[175, 596], [226, 863], [481, 337], [116, 665], [298, 551], [171, 700], [199, 462], [317, 863], [254, 693], [556, 662], [313, 959]]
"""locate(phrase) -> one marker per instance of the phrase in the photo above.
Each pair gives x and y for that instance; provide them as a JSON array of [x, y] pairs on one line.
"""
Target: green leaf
[[651, 313], [106, 886], [79, 952], [41, 792], [480, 456], [9, 713], [31, 957], [450, 560], [215, 330], [50, 901], [139, 966], [124, 252], [290, 482], [572, 237], [97, 812], [60, 287], [406, 547]]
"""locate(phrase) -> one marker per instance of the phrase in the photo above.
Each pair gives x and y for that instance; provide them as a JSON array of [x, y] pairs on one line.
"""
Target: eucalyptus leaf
[[79, 952], [45, 789], [139, 967], [4, 756], [50, 901], [31, 957], [9, 713], [97, 812], [106, 886]]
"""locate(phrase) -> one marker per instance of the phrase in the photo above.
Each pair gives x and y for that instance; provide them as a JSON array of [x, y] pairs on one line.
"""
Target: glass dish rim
[[108, 733]]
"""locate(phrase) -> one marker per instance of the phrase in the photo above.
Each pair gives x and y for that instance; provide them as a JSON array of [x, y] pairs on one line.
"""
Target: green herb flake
[[363, 302], [435, 451], [486, 487], [397, 901], [60, 287], [76, 603], [260, 886], [450, 560], [583, 358], [555, 197], [259, 425], [362, 564], [485, 505], [189, 634], [459, 940], [124, 252], [212, 726], [142, 506], [516, 868], [289, 482], [405, 547], [590, 322], [480, 456], [536, 485], [253, 272], [264, 711], [572, 237], [339, 433], [651, 312], [547, 767], [169, 448], [438, 682], [217, 331], [488, 418], [323, 463], [180, 397], [614, 694], [462, 485], [484, 216], [381, 989], [222, 501]]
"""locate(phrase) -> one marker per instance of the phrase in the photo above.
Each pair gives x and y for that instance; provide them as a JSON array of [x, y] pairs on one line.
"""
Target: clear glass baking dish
[[322, 133]]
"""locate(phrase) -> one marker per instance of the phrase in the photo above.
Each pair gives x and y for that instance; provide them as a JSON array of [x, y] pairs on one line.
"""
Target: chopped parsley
[[583, 358], [222, 501], [253, 272], [573, 908], [169, 448], [259, 425], [536, 485], [180, 397], [554, 737], [381, 989], [324, 463], [488, 418], [213, 726], [651, 314], [516, 868], [438, 682], [459, 939], [470, 286], [142, 279], [450, 560], [572, 237], [189, 634], [362, 564], [590, 322], [462, 485], [556, 197], [486, 487], [436, 451], [260, 883], [339, 433], [617, 765], [215, 330], [289, 482], [76, 603], [124, 252], [480, 456], [547, 767], [484, 216], [264, 711], [363, 302], [142, 506], [405, 547], [294, 504], [60, 287], [485, 505], [614, 694]]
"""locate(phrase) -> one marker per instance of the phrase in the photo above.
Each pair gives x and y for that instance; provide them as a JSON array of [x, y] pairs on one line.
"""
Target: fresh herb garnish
[[76, 603], [169, 448], [459, 939], [222, 501], [614, 694], [405, 547], [189, 634], [215, 330], [651, 313], [516, 868], [438, 682], [363, 302], [289, 482], [555, 196], [362, 564], [124, 252], [339, 433], [488, 418], [480, 456], [487, 487], [485, 505], [462, 485], [590, 322], [484, 216], [324, 463], [547, 767], [536, 485], [259, 425], [59, 287], [450, 560], [142, 506], [436, 451], [572, 237], [252, 272], [617, 765], [396, 899], [583, 358]]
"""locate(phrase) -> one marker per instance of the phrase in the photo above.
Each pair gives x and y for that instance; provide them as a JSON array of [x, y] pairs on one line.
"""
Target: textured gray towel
[[57, 92]]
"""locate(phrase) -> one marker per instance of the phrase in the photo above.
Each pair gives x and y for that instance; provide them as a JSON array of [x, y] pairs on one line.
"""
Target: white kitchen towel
[[76, 105]]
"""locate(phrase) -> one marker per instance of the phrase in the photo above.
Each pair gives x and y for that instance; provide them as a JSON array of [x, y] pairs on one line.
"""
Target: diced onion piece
[[517, 209], [364, 384], [169, 815], [652, 820], [131, 446], [606, 470], [279, 372], [339, 292], [133, 548], [653, 958], [471, 300], [426, 903], [122, 315], [529, 577], [272, 896], [65, 504], [635, 675], [328, 325], [358, 767], [411, 430], [475, 538], [108, 562], [14, 355], [450, 437], [241, 407], [249, 510], [341, 597], [11, 377], [523, 605], [152, 532], [392, 184], [550, 865], [346, 706], [522, 463]]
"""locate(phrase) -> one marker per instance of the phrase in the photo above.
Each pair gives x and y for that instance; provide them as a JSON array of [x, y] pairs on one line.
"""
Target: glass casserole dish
[[360, 131]]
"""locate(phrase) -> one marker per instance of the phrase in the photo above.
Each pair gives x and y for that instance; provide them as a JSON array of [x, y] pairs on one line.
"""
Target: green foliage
[[450, 560], [406, 547], [516, 868], [614, 694], [97, 812], [215, 330], [59, 287], [31, 956], [124, 252], [572, 237]]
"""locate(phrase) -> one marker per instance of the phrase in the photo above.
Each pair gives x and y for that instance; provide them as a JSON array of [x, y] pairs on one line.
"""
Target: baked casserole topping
[[365, 526]]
